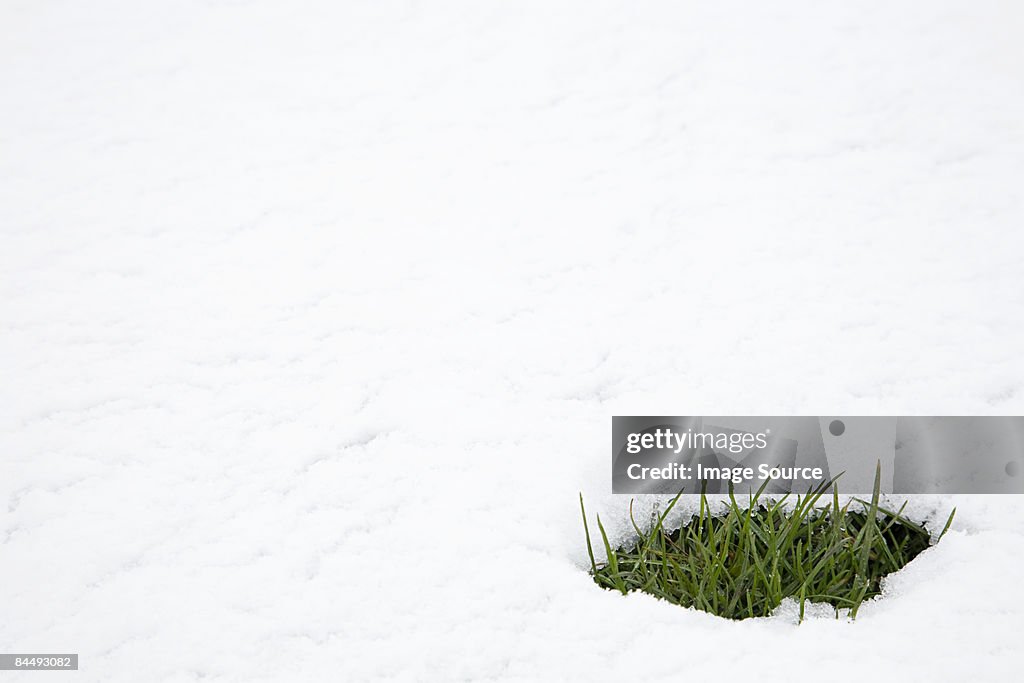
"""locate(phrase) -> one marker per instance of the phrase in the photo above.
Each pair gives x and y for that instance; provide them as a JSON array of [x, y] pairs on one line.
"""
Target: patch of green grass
[[744, 562]]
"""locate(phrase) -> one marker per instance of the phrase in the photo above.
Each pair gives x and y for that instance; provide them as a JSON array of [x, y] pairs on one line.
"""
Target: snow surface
[[314, 315]]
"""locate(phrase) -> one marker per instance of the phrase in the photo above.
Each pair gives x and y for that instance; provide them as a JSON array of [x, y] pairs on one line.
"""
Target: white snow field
[[314, 315]]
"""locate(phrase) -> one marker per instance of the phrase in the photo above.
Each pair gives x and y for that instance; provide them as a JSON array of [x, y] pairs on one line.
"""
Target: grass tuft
[[744, 562]]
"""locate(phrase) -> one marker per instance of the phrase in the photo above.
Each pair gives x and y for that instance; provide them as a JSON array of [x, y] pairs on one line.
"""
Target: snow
[[314, 316]]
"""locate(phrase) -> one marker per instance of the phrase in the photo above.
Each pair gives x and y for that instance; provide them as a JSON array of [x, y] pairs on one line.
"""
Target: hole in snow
[[746, 562]]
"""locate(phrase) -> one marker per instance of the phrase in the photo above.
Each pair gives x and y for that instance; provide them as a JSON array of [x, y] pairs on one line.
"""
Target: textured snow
[[313, 316]]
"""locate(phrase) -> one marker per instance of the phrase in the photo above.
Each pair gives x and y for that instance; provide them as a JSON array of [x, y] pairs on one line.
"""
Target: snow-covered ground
[[313, 316]]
